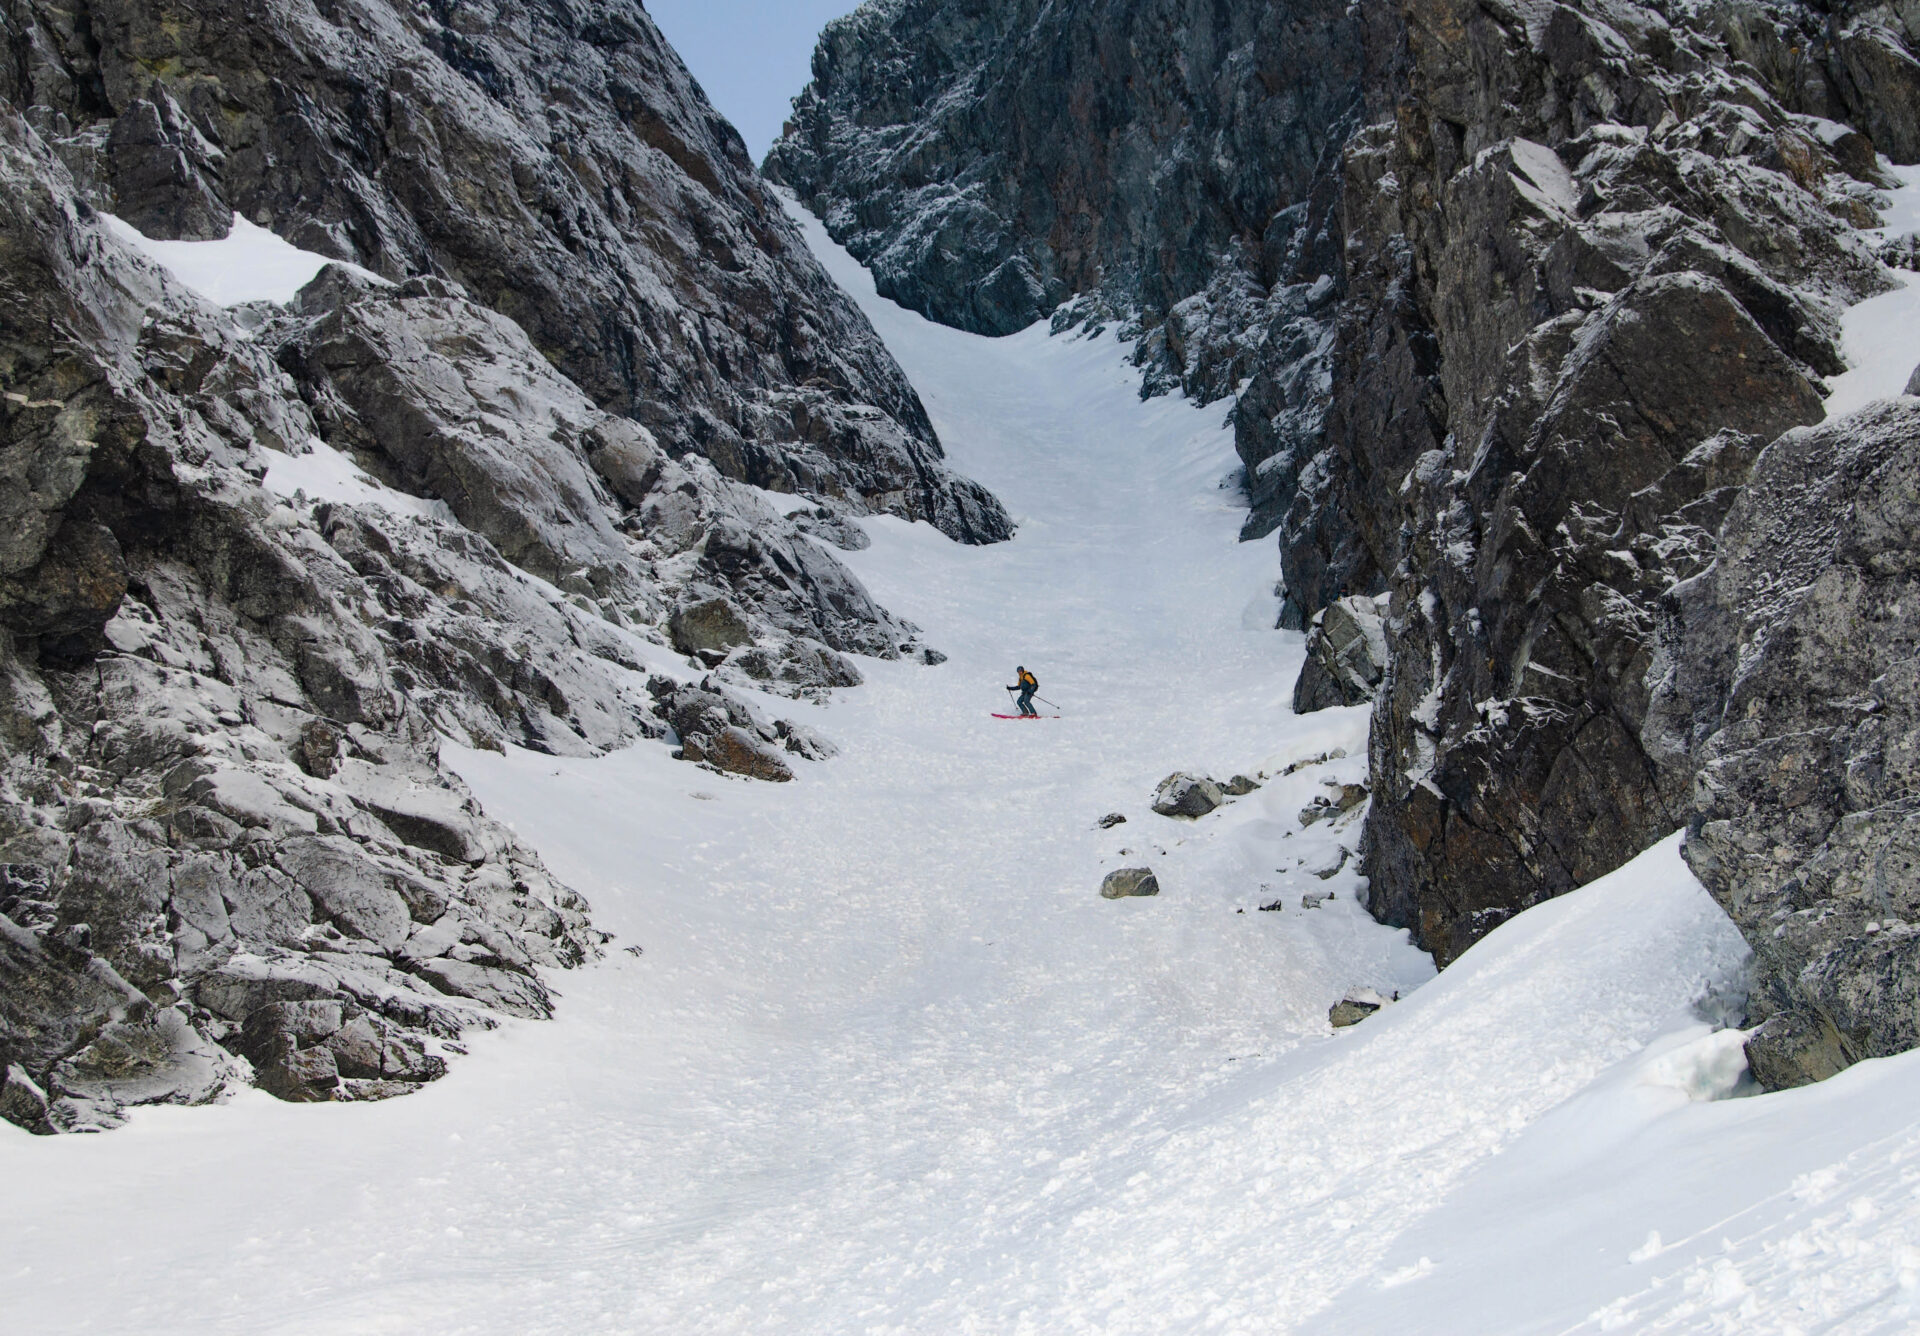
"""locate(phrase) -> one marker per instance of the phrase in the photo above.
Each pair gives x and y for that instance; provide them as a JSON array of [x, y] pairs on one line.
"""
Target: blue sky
[[751, 56]]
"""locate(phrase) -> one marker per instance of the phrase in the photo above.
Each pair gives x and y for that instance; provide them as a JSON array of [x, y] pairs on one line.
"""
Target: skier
[[1026, 684]]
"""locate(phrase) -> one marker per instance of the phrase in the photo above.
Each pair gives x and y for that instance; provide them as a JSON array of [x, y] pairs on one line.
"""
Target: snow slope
[[887, 1063], [249, 264], [1881, 336]]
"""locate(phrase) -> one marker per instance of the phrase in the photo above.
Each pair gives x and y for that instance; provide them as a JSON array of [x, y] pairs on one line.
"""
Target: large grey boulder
[[1129, 881], [1346, 655], [1791, 678], [1184, 795], [712, 626]]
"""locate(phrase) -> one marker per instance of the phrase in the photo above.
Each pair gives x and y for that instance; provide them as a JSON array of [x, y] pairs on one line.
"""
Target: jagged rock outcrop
[[229, 847], [1346, 656], [218, 792], [984, 187], [1790, 677], [1601, 270]]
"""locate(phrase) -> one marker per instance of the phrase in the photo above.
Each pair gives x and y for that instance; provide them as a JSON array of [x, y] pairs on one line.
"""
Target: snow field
[[886, 1063], [249, 264]]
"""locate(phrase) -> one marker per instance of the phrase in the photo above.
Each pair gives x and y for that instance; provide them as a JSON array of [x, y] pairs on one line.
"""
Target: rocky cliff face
[[575, 327], [1172, 165], [1507, 358], [556, 161], [1608, 270]]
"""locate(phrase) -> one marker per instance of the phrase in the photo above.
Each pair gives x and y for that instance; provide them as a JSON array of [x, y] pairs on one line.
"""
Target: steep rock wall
[[1624, 265]]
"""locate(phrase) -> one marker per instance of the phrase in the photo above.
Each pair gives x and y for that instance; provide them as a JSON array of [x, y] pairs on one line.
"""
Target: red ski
[[1026, 716]]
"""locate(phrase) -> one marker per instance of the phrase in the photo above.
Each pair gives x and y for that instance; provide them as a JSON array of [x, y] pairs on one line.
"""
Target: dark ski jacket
[[1027, 682]]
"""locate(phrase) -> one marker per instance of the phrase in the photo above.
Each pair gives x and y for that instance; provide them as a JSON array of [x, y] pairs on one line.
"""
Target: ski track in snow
[[888, 1063]]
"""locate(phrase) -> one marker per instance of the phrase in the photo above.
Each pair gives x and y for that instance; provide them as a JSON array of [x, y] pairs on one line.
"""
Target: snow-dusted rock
[[1347, 1012], [712, 626], [511, 991], [722, 731], [1346, 655], [257, 561], [1184, 795], [1338, 800], [1790, 677], [167, 171], [1327, 865]]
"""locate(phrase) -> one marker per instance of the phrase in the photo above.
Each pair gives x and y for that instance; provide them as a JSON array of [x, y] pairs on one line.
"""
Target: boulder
[[285, 1043], [348, 888], [798, 667], [22, 1102], [1129, 881], [1184, 795], [1328, 865], [722, 731], [1112, 819], [150, 1057], [420, 807], [1790, 679], [1356, 1007], [1337, 801], [1346, 655], [1240, 786], [1913, 382], [805, 742], [1878, 78], [712, 625], [739, 752]]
